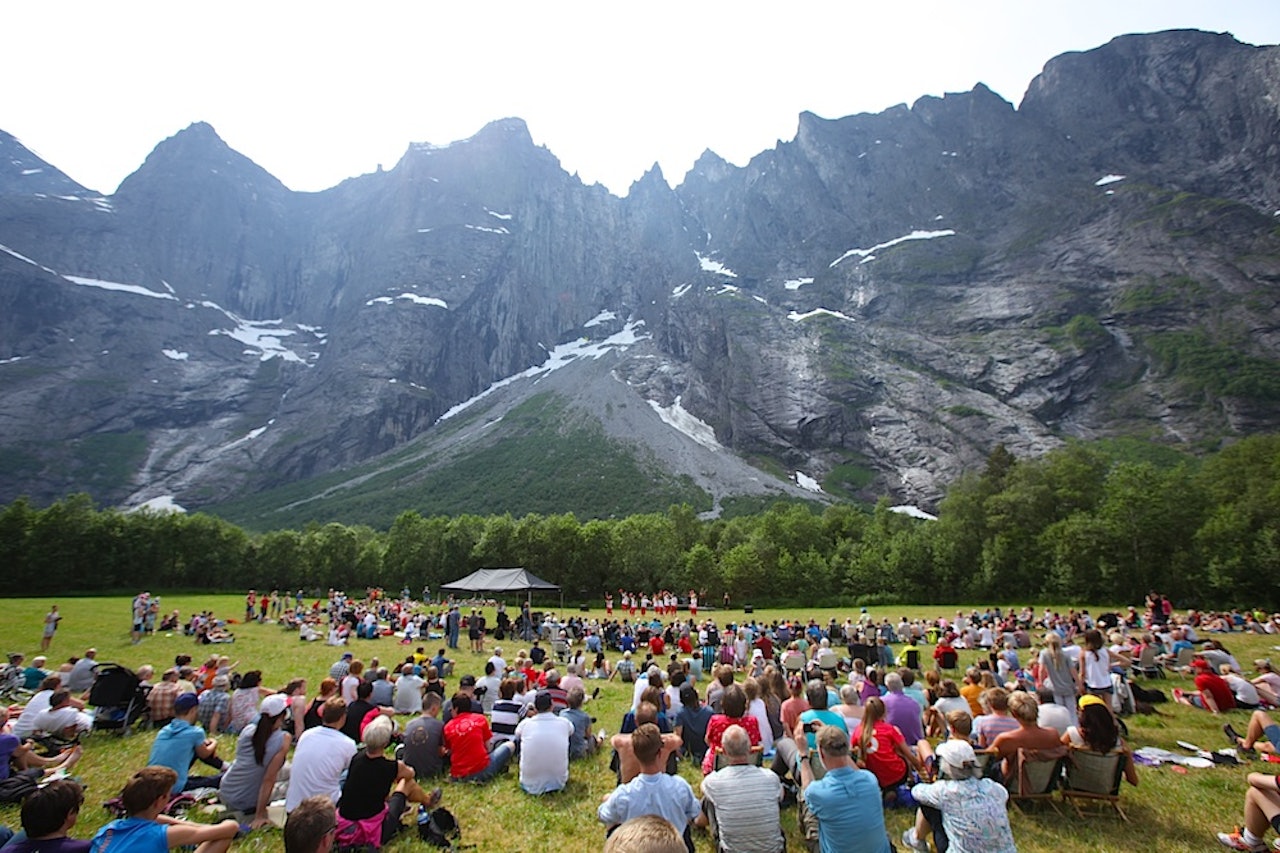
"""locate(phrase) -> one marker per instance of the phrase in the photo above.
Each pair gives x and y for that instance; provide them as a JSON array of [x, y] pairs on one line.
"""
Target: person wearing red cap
[[1213, 693]]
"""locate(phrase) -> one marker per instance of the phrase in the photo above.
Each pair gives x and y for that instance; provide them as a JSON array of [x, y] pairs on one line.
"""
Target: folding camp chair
[[1093, 777], [1036, 774], [792, 662], [1182, 663], [1147, 665]]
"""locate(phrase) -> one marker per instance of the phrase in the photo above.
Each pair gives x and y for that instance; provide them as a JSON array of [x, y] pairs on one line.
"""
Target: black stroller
[[118, 698]]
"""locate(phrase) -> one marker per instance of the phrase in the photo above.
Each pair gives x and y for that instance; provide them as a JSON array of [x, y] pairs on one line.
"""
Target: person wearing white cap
[[965, 812], [259, 773]]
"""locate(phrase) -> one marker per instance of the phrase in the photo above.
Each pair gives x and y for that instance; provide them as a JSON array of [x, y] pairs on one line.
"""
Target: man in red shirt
[[765, 645], [657, 645], [466, 738], [1214, 694]]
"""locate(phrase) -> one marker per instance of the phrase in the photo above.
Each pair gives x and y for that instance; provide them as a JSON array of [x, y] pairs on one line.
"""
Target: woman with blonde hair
[[882, 749], [1059, 676]]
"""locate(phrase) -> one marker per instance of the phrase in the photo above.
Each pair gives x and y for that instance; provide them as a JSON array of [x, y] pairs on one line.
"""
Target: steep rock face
[[897, 292]]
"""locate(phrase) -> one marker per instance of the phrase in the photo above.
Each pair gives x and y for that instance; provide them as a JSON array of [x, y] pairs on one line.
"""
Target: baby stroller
[[118, 698]]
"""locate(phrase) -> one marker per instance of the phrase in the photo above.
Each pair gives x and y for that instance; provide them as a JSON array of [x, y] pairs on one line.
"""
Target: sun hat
[[1089, 699], [186, 702], [956, 753], [274, 705]]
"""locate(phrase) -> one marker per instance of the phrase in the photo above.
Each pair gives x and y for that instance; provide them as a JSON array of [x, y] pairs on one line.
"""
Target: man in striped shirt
[[740, 800]]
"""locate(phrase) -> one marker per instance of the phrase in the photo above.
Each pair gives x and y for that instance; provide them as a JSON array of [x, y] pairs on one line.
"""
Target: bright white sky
[[317, 92]]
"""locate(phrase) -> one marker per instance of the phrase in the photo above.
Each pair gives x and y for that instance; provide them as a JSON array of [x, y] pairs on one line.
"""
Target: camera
[[480, 691]]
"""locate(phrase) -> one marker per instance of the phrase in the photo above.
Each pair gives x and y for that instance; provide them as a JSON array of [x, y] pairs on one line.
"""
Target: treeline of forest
[[1085, 523]]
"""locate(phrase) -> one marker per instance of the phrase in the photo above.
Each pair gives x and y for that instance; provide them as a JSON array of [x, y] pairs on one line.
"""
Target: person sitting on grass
[[215, 706], [625, 761], [884, 751], [18, 756], [181, 742], [311, 827], [965, 812], [733, 713], [1212, 693], [250, 783], [377, 791], [466, 739], [740, 801], [583, 742], [845, 802], [146, 829], [1260, 726], [652, 791], [48, 814], [1261, 808]]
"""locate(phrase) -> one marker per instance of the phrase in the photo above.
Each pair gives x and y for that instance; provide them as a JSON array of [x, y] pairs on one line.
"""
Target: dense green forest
[[1101, 521]]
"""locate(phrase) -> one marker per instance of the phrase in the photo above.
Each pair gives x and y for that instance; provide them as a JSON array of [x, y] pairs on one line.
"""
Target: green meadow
[[1168, 811]]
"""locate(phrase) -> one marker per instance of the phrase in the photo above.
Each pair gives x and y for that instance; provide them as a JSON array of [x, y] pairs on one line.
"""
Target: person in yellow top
[[971, 689]]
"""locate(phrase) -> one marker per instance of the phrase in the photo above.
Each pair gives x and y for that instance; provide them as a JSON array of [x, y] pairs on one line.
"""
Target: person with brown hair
[[653, 791], [145, 827], [311, 827], [321, 756], [733, 712], [48, 814], [311, 718], [883, 750]]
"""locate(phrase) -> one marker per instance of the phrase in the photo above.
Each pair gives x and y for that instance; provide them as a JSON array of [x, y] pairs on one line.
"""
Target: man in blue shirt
[[845, 801], [653, 792], [181, 742]]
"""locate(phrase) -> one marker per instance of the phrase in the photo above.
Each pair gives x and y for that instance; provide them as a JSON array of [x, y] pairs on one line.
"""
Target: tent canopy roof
[[500, 580]]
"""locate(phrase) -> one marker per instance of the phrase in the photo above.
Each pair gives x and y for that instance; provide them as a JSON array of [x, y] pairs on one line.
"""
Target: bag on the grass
[[19, 786], [440, 829]]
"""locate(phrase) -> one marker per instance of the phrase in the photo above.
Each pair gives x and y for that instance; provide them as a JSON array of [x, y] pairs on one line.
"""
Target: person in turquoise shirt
[[845, 801], [146, 829], [181, 742]]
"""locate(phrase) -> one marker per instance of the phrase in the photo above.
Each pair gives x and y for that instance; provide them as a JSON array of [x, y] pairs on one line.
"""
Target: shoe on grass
[[910, 841], [1235, 841]]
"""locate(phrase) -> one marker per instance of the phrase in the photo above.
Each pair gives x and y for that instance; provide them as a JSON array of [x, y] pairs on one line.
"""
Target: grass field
[[1168, 811]]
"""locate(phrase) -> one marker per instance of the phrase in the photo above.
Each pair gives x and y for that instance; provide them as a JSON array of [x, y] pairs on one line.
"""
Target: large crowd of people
[[845, 720]]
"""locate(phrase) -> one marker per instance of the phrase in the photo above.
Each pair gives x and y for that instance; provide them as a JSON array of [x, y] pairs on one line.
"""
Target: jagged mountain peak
[[197, 153], [876, 303], [24, 173]]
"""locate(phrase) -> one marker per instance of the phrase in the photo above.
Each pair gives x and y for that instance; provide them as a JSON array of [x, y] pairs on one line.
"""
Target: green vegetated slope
[[543, 456]]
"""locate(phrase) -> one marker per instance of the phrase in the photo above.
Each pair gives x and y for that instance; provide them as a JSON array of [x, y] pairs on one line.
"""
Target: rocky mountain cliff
[[872, 306]]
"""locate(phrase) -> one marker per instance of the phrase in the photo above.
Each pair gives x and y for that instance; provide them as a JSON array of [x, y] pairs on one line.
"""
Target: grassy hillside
[[541, 457]]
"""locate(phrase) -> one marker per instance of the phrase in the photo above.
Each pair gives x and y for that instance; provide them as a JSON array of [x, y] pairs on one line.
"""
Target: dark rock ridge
[[897, 292]]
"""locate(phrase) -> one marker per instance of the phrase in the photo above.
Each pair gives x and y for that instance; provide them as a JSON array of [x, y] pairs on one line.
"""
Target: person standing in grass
[[51, 620], [146, 829]]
